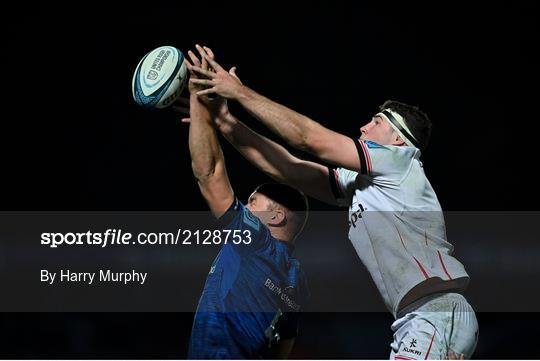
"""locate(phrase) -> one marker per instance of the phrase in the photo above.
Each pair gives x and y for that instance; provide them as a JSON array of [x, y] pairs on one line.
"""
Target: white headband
[[398, 124]]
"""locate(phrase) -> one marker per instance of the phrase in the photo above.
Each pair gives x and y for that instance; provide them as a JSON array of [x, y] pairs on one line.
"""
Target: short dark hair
[[289, 197], [417, 121]]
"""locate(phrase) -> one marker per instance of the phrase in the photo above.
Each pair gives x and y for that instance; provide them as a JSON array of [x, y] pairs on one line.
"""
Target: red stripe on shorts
[[421, 267], [443, 266], [430, 344]]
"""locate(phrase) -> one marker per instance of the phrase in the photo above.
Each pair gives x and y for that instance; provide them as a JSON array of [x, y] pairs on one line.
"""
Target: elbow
[[309, 139], [301, 142], [306, 143], [203, 172], [309, 143]]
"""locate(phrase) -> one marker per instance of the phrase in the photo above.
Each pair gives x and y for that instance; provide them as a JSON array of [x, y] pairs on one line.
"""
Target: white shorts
[[441, 324]]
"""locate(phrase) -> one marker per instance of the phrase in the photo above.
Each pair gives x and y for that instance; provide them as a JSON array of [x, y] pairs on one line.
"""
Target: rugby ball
[[159, 78]]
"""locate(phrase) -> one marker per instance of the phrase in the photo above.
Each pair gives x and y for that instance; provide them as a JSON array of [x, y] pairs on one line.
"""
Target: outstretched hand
[[195, 62], [217, 106], [219, 81]]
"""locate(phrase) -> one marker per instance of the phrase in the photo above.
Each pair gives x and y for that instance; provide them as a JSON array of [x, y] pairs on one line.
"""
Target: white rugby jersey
[[396, 222]]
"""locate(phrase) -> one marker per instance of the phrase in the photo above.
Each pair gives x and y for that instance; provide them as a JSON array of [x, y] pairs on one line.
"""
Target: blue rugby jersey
[[252, 294]]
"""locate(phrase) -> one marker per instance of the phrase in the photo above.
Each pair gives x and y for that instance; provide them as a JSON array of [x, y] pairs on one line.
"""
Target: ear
[[397, 140], [277, 218]]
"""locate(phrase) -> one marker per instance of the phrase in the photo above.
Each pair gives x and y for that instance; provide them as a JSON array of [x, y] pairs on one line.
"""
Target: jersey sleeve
[[384, 163], [244, 224], [342, 184]]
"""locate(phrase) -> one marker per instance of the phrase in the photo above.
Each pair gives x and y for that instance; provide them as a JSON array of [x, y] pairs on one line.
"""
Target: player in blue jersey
[[255, 288]]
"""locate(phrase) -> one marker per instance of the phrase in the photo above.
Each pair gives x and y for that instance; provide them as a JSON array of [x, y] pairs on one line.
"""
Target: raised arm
[[207, 159], [276, 161], [296, 129]]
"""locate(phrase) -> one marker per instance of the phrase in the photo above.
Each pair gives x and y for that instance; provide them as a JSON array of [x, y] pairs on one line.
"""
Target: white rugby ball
[[159, 78]]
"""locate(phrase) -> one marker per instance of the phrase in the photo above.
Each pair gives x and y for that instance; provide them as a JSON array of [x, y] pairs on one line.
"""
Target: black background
[[73, 139]]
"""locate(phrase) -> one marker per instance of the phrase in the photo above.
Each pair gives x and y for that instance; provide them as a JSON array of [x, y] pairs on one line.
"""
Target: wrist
[[243, 93]]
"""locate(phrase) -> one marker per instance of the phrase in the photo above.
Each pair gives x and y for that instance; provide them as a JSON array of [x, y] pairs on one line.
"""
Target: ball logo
[[152, 75], [160, 59]]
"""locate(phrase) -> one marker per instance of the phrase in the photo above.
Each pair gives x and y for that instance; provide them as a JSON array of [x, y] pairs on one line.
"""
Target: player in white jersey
[[396, 222]]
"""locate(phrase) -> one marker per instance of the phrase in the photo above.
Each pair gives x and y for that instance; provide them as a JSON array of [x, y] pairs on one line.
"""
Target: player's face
[[379, 131], [259, 205], [258, 202]]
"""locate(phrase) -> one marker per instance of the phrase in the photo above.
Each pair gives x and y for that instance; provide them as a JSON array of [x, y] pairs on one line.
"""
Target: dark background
[[73, 139]]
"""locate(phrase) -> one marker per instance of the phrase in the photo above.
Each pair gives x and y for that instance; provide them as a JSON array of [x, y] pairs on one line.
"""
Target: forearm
[[276, 161], [207, 160], [204, 147], [265, 154], [296, 129]]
